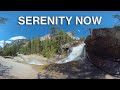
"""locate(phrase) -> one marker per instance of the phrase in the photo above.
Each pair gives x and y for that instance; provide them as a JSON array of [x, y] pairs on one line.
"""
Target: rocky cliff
[[103, 48], [49, 37], [104, 42]]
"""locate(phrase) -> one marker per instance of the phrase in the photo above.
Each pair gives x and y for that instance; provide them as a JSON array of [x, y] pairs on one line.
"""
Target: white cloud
[[2, 42], [8, 41], [17, 37], [12, 38]]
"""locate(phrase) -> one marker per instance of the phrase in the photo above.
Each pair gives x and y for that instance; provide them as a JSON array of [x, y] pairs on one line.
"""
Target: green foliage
[[11, 51], [1, 52], [48, 47], [82, 39], [117, 26], [116, 16]]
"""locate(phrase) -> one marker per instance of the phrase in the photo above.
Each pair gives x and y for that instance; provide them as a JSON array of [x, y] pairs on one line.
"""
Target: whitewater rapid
[[77, 53]]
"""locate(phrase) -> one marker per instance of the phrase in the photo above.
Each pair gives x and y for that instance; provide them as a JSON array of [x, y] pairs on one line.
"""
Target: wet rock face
[[67, 47], [104, 42]]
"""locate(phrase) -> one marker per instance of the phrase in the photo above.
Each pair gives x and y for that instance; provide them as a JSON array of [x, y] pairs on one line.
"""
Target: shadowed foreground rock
[[103, 49], [74, 70]]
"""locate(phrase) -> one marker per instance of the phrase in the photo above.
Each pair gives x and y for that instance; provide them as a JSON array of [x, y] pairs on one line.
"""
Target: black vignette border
[[60, 6]]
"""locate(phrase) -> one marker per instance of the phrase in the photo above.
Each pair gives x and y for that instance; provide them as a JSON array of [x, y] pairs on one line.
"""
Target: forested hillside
[[48, 47]]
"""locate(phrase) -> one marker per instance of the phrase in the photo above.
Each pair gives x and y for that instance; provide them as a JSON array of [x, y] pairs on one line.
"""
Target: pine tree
[[28, 47], [38, 45], [33, 46]]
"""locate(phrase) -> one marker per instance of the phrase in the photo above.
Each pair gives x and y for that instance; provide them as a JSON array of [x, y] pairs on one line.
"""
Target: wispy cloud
[[17, 37], [2, 42], [11, 39]]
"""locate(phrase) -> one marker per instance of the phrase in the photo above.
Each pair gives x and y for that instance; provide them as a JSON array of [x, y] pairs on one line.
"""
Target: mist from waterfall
[[77, 53]]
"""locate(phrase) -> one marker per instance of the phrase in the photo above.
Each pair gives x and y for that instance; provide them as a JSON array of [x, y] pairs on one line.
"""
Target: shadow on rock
[[72, 70], [4, 72]]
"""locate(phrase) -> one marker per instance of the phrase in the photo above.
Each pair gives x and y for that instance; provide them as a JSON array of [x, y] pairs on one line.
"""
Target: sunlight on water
[[35, 62], [78, 53]]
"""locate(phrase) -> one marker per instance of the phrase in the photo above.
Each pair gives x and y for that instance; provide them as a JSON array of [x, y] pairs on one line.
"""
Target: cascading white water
[[77, 53]]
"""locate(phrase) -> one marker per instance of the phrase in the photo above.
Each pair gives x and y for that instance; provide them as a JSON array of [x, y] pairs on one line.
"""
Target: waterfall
[[77, 53]]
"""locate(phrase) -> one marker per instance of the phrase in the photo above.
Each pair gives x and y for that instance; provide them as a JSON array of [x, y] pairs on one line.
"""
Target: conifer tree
[[38, 45]]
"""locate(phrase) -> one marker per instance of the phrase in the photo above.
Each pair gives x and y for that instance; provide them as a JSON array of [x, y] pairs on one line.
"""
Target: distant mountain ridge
[[0, 48], [16, 42], [19, 41], [48, 36]]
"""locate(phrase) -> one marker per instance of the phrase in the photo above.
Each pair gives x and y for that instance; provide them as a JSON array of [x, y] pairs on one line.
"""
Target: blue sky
[[11, 29]]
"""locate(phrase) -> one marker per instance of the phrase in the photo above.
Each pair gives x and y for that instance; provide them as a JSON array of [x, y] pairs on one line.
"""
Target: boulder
[[71, 44], [103, 49], [104, 42]]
